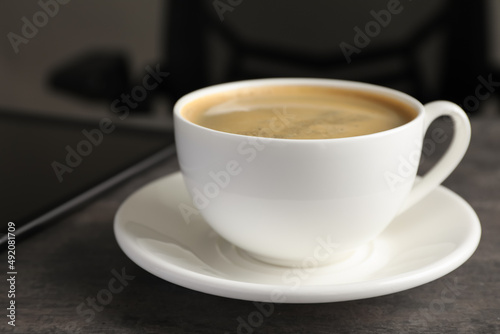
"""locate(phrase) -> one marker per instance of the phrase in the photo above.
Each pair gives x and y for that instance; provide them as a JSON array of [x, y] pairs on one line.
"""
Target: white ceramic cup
[[310, 202]]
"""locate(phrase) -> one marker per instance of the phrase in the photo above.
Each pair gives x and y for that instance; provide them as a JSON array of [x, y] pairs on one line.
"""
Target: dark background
[[91, 51]]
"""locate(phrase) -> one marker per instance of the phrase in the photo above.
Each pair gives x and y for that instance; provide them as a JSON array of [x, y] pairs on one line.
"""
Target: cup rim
[[319, 82]]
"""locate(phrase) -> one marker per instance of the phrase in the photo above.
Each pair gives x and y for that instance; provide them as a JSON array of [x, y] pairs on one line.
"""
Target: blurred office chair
[[190, 27]]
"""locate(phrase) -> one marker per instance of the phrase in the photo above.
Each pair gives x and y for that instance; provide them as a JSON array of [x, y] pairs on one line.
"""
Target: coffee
[[298, 112]]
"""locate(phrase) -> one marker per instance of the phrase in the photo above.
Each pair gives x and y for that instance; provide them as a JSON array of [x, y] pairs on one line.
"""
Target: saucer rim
[[250, 291]]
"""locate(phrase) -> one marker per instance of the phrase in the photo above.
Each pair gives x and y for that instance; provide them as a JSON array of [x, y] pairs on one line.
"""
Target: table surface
[[62, 270]]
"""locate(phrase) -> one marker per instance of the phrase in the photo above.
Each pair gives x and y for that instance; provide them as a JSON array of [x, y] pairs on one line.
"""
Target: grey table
[[64, 269]]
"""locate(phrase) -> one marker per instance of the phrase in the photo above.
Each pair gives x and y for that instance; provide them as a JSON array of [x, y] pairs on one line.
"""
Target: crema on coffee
[[298, 112]]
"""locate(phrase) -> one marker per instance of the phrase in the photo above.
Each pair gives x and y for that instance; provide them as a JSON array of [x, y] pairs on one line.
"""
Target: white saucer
[[427, 242]]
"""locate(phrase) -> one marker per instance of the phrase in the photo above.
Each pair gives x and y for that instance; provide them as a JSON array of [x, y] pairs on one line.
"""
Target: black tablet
[[50, 166]]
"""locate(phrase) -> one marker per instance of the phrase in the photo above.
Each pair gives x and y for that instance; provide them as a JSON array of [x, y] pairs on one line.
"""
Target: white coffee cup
[[287, 200]]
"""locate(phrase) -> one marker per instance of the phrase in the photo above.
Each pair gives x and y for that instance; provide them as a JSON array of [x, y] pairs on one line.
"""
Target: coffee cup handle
[[453, 155]]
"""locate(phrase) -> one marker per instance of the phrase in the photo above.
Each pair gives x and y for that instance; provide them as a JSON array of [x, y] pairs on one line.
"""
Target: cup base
[[306, 262]]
